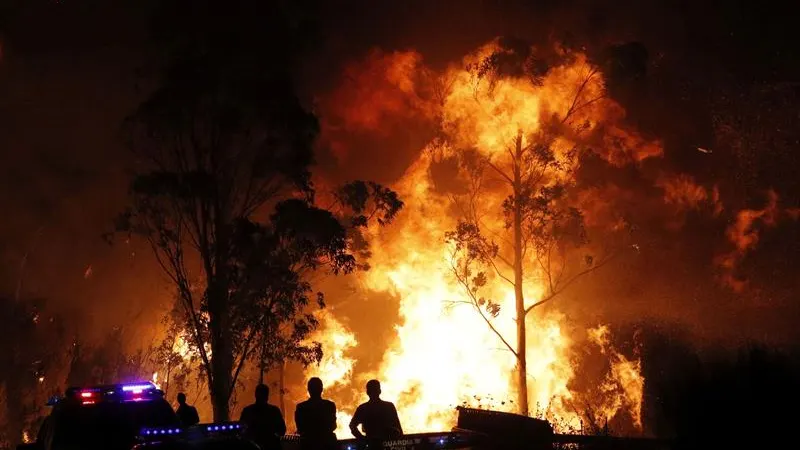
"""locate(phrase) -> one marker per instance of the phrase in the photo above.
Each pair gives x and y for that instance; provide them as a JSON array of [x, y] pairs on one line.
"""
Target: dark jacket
[[316, 422], [264, 425], [378, 419], [187, 415]]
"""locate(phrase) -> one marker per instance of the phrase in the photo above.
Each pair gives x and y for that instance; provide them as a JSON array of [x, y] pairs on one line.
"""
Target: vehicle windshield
[[106, 424]]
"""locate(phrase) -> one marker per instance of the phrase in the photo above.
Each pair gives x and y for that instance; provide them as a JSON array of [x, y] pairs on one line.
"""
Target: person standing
[[377, 417], [263, 422], [316, 419], [187, 413]]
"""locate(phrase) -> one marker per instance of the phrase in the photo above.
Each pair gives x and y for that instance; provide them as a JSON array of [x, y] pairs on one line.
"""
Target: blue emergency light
[[171, 431], [162, 431], [126, 392], [138, 387], [223, 427]]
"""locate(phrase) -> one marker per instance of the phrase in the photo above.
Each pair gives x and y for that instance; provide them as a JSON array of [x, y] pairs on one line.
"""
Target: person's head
[[373, 389], [262, 393], [181, 398], [315, 387]]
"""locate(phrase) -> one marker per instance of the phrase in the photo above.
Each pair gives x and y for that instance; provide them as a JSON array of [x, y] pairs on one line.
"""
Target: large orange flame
[[444, 355]]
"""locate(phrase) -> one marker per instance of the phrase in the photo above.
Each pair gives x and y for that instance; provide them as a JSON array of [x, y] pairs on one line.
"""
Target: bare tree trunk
[[219, 320], [222, 356], [522, 363], [281, 380], [262, 364]]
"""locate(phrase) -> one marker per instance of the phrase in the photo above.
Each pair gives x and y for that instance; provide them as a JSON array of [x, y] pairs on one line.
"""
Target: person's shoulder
[[328, 404], [274, 408], [387, 404]]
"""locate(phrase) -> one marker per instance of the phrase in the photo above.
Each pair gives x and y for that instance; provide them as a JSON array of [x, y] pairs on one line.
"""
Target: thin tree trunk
[[222, 359], [262, 364], [219, 322], [281, 380], [522, 363]]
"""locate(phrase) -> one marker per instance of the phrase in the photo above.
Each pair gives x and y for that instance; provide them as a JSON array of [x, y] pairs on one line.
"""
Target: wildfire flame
[[335, 366], [625, 375], [444, 355]]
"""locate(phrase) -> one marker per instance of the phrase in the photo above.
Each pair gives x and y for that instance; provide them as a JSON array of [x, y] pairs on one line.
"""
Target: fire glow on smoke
[[444, 355]]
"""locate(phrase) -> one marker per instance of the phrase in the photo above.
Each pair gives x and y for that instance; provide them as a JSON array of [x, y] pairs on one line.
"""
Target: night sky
[[68, 76]]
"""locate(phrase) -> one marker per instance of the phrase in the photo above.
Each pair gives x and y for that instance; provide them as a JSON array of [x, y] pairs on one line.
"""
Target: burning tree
[[524, 174], [225, 199]]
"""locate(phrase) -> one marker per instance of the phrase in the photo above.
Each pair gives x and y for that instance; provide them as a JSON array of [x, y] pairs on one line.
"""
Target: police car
[[123, 417]]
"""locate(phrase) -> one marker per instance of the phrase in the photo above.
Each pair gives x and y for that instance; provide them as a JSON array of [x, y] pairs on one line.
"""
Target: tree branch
[[561, 289], [475, 304], [240, 364], [574, 106], [497, 271], [499, 171]]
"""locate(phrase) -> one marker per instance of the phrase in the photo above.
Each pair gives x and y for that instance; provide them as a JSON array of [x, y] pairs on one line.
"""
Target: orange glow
[[625, 377], [336, 367], [744, 235], [443, 354]]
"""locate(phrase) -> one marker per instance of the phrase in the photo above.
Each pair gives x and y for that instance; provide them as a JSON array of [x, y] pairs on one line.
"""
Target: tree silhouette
[[224, 196], [540, 224]]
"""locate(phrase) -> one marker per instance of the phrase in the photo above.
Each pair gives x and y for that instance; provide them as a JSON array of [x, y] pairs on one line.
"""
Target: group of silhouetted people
[[315, 418]]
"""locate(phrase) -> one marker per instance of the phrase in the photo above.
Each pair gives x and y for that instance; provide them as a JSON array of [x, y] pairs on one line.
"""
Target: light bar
[[171, 431], [137, 387], [223, 427], [160, 431]]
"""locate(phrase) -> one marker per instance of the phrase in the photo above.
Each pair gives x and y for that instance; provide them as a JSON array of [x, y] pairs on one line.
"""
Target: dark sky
[[68, 77]]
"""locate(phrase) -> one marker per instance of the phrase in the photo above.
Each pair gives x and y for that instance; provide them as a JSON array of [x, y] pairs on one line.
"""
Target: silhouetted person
[[316, 419], [263, 422], [187, 413], [378, 418]]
